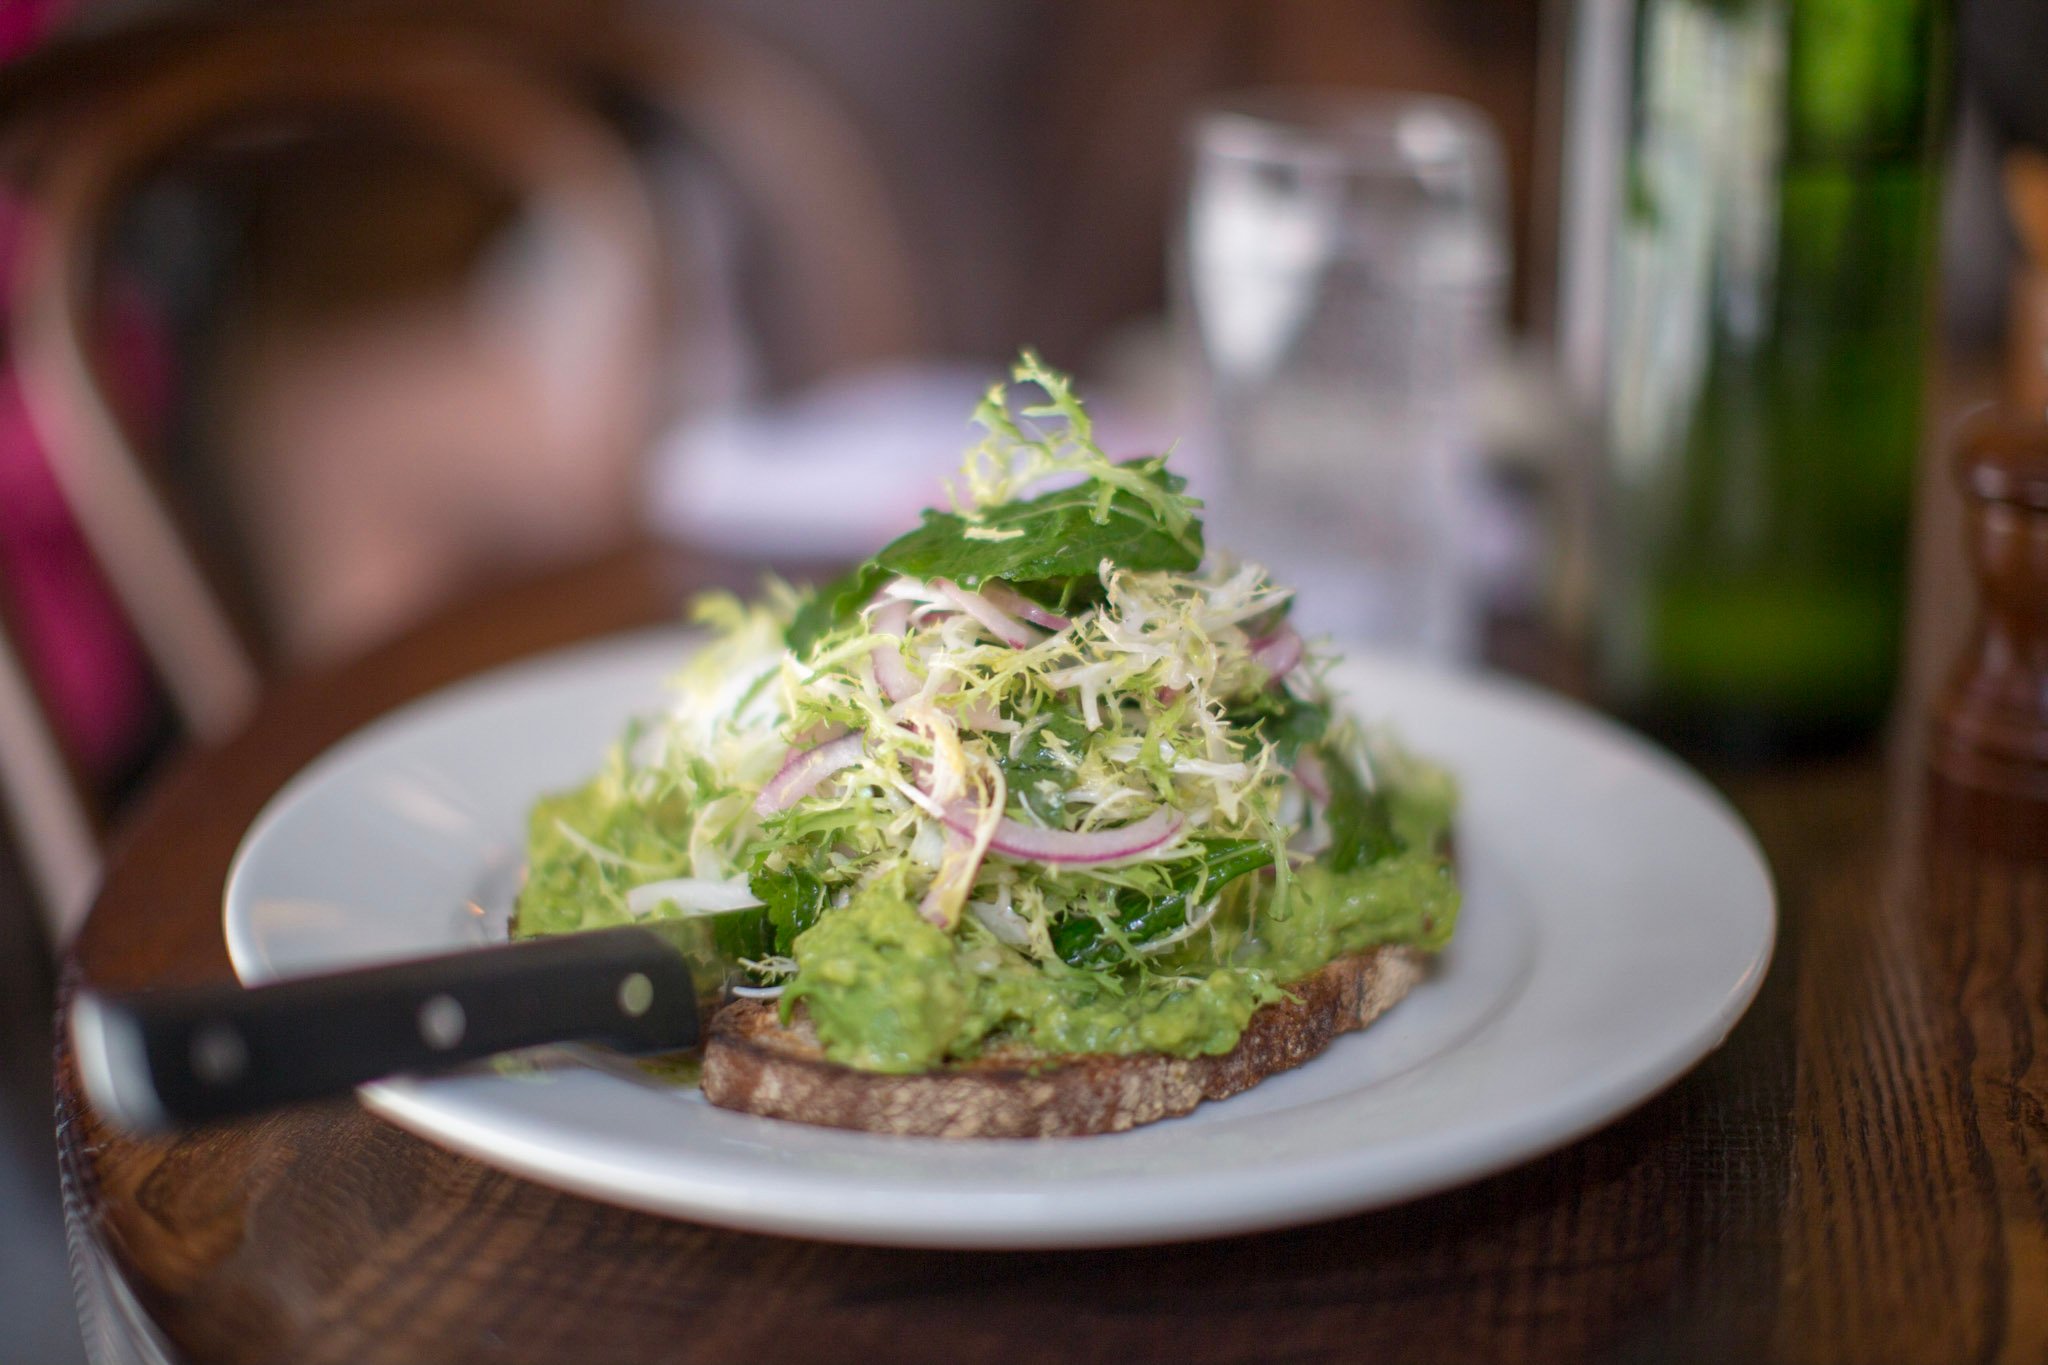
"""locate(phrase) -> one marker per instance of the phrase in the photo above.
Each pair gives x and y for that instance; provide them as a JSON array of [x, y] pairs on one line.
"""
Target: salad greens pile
[[1040, 773]]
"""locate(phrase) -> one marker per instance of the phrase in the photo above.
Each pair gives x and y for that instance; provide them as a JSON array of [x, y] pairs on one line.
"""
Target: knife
[[156, 1061]]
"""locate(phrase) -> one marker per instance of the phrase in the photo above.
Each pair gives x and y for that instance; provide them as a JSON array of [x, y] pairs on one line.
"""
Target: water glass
[[1342, 271]]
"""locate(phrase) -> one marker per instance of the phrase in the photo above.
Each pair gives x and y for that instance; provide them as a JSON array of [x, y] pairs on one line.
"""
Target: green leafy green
[[741, 936], [1361, 830], [1037, 777], [834, 605], [794, 899], [1051, 547], [1279, 716], [1084, 941]]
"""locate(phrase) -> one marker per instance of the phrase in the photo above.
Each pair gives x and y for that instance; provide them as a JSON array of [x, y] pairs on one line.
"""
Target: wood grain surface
[[1859, 1174]]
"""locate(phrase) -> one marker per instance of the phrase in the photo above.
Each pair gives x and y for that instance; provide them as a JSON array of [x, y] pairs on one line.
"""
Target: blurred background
[[1614, 341]]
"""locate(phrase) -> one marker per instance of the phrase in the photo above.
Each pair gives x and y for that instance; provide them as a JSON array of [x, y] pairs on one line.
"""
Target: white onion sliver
[[1006, 598], [1019, 840], [1000, 919], [1308, 771], [759, 992], [691, 896], [892, 675], [1312, 839], [1004, 626], [802, 772], [1279, 652], [1008, 926]]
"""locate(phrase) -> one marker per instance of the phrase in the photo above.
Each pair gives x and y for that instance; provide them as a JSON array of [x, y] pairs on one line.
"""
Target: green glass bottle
[[1772, 298]]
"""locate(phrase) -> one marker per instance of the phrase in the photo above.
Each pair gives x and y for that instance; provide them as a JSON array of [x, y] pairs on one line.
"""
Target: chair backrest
[[450, 89], [479, 101], [846, 268], [42, 795]]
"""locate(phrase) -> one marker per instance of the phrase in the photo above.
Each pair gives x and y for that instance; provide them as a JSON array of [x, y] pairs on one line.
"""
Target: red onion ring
[[1069, 846], [892, 675], [1007, 598], [802, 772], [1000, 623], [1279, 652]]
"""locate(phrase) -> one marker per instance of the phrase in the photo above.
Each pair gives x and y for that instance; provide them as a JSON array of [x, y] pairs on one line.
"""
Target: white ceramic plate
[[1618, 921]]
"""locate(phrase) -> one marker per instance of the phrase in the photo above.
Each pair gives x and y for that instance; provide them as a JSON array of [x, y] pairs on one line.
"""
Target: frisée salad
[[1044, 773]]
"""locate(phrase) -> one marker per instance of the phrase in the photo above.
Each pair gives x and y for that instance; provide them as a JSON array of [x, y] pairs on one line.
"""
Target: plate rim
[[1254, 1201]]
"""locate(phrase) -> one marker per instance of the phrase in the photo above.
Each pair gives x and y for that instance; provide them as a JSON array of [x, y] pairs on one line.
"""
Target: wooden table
[[1860, 1173]]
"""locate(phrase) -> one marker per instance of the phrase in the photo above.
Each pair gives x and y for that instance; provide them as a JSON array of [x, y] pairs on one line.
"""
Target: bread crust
[[754, 1064]]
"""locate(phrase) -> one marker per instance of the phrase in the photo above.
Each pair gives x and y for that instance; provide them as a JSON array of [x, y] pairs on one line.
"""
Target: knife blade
[[155, 1061]]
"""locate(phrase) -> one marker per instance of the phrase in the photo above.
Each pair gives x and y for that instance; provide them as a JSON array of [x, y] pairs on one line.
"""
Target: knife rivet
[[219, 1056], [636, 994], [442, 1022]]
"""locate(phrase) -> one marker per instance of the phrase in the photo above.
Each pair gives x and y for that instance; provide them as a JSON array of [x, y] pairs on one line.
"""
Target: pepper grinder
[[1991, 722]]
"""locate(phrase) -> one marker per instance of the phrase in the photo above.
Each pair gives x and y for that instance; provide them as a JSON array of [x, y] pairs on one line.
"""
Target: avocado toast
[[1051, 822]]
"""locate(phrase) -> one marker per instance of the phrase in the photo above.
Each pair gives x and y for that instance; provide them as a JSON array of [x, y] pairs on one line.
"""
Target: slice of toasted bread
[[754, 1064]]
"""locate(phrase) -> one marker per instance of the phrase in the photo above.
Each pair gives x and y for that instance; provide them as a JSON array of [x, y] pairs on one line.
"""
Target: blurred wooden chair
[[508, 94], [578, 185]]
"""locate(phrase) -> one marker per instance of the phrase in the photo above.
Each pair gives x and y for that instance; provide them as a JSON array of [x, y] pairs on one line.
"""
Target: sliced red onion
[[1308, 771], [691, 896], [1019, 840], [1279, 652], [802, 772], [1006, 598], [892, 617], [892, 675], [1001, 624]]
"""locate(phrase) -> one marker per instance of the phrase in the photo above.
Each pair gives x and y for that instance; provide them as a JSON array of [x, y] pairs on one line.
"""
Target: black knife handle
[[163, 1059]]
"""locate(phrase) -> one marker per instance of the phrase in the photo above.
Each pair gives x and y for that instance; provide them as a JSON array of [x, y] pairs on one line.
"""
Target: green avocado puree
[[888, 991]]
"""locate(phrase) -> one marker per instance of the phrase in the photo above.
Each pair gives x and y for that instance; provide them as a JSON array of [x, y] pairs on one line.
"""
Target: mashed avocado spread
[[1043, 773]]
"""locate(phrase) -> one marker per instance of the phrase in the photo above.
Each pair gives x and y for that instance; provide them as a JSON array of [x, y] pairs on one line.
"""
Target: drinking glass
[[1343, 270]]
